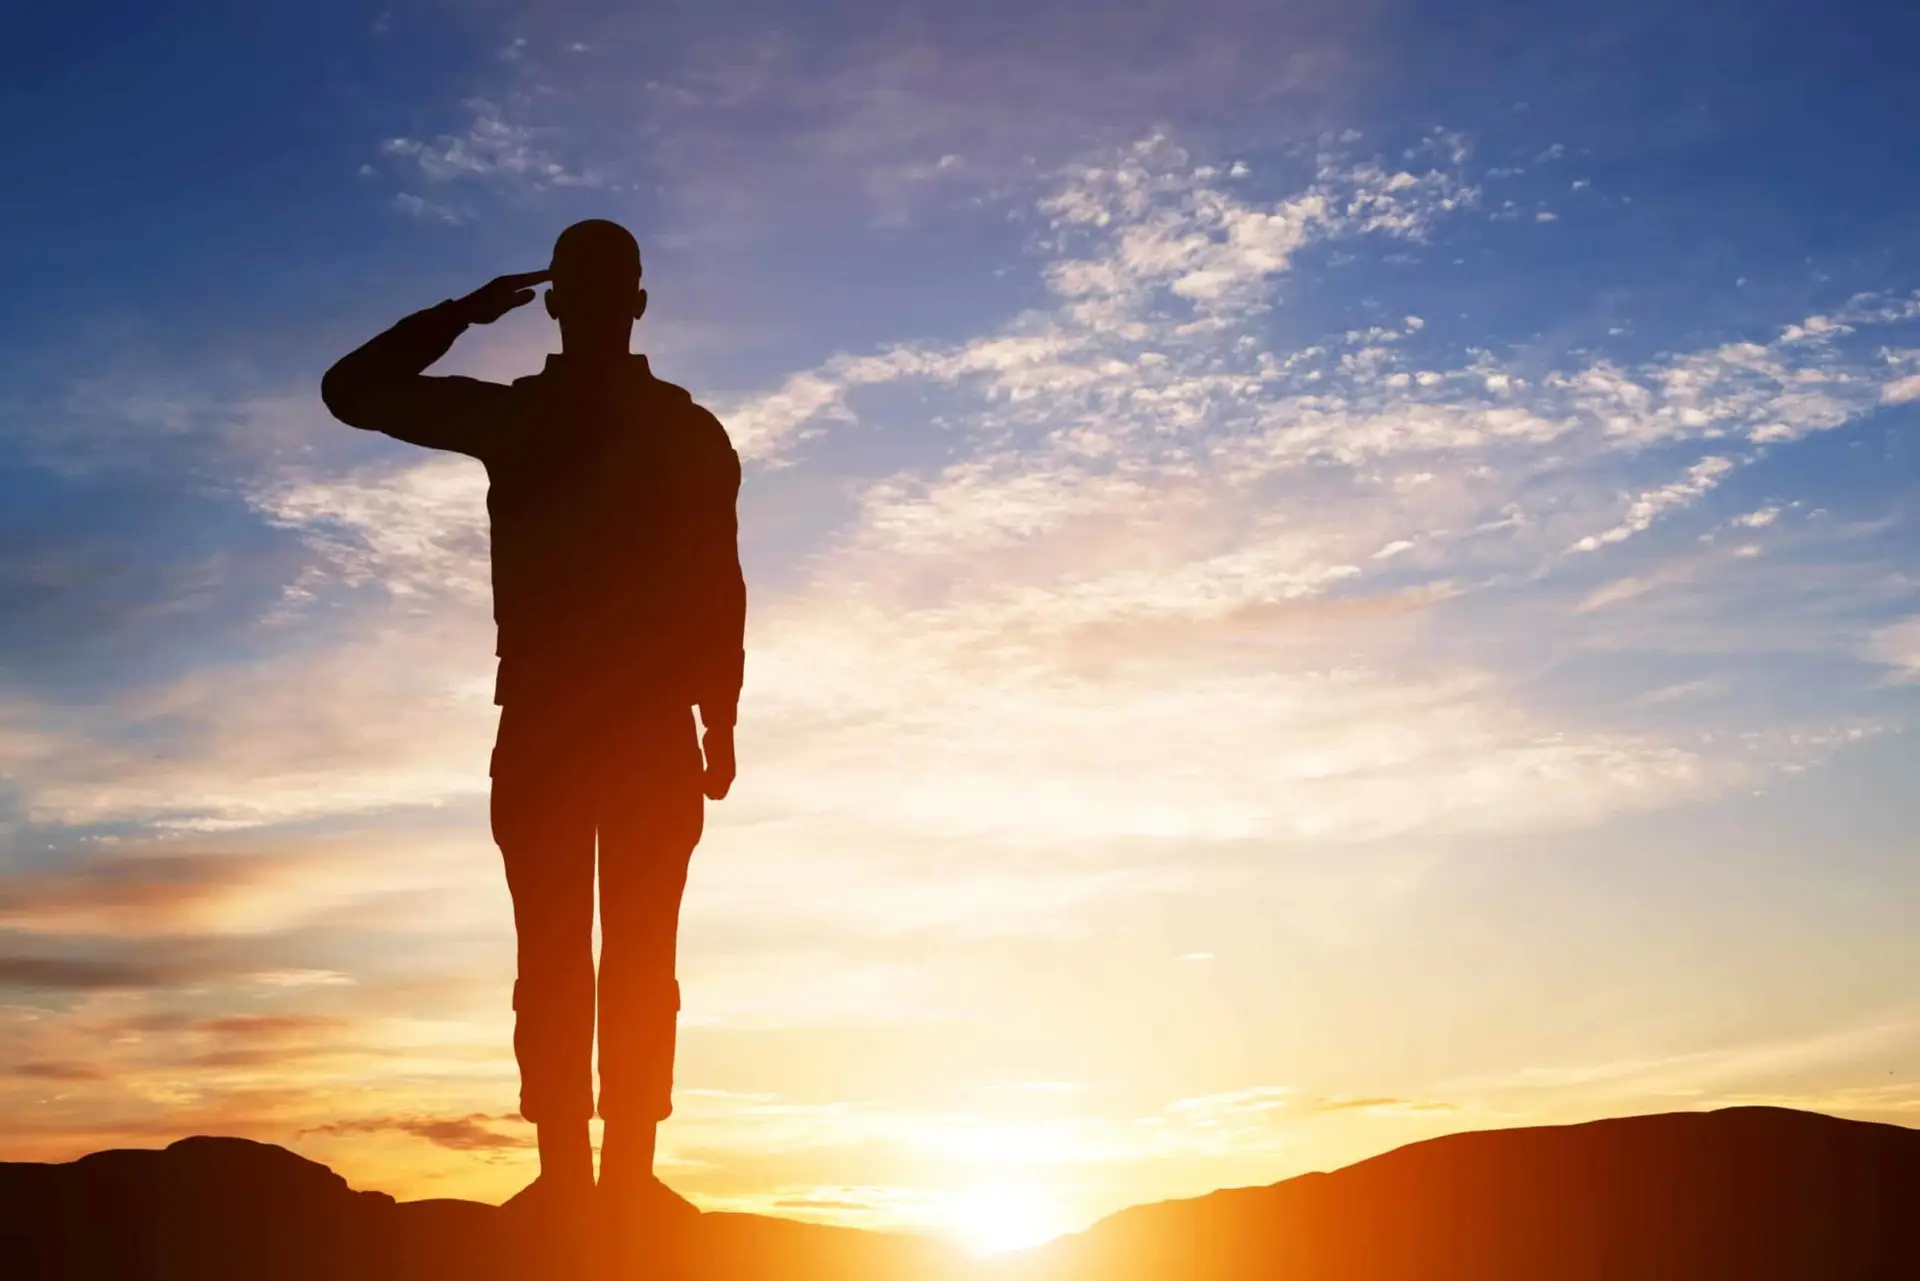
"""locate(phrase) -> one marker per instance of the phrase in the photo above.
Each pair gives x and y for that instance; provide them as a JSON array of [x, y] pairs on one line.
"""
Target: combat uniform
[[620, 607]]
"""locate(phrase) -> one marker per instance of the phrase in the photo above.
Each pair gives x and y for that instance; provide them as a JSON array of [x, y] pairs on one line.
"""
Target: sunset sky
[[1320, 573]]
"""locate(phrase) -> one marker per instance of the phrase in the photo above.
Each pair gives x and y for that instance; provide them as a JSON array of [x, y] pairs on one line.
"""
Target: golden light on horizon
[[1004, 1214], [1215, 710]]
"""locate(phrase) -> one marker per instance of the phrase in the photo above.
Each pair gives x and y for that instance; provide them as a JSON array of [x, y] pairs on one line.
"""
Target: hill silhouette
[[1750, 1194], [1741, 1194], [209, 1209]]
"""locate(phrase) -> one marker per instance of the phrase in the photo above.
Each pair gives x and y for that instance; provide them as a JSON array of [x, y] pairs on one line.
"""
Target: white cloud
[[426, 210], [393, 718], [412, 529], [1901, 390], [1067, 607], [1651, 505], [1898, 646], [1160, 592], [492, 147]]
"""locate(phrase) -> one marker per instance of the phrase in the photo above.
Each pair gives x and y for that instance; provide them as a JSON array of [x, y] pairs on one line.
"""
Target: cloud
[[426, 210], [169, 436], [265, 1025], [1897, 645], [412, 529], [801, 1149], [1105, 627], [1759, 518], [1205, 578], [221, 958], [828, 1203], [1617, 591], [1901, 390], [1708, 1072], [1163, 228], [80, 973], [491, 147], [1144, 485], [259, 743], [459, 1133], [1383, 1104], [1649, 506], [302, 978], [1144, 534], [1208, 1109], [128, 894], [770, 126], [56, 1071]]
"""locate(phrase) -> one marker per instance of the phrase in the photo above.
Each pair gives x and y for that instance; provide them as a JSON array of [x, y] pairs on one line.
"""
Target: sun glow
[[1002, 1216]]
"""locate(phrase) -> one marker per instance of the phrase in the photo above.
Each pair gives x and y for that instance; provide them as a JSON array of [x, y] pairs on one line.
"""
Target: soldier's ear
[[640, 304]]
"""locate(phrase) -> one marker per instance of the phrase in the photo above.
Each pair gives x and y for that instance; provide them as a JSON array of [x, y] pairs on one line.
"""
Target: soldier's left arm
[[723, 584]]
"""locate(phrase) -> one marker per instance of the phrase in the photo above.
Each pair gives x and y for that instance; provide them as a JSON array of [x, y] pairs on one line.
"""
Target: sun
[[1002, 1216]]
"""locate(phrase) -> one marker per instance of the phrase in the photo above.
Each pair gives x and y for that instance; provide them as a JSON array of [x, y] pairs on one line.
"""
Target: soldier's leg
[[649, 823], [543, 823]]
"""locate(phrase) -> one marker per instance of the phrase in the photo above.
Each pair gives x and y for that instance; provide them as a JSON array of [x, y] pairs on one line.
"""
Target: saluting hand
[[501, 295]]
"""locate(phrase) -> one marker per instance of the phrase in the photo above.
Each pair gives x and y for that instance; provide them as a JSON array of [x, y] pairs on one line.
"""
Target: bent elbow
[[338, 394]]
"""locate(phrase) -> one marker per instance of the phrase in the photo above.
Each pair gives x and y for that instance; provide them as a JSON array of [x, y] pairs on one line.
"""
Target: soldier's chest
[[572, 469]]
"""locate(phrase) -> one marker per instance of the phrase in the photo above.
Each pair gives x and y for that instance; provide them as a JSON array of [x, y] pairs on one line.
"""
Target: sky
[[1321, 574]]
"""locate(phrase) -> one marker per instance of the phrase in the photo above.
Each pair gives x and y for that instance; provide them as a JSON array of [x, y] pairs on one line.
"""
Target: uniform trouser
[[561, 779]]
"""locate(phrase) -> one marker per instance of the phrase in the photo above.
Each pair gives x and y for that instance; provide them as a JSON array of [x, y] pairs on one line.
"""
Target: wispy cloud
[[1145, 476], [1649, 506], [83, 973], [1156, 591], [768, 125], [1147, 500], [473, 1133], [137, 894], [426, 210], [491, 147]]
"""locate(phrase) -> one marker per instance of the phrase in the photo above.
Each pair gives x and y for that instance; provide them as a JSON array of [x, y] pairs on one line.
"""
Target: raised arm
[[382, 385]]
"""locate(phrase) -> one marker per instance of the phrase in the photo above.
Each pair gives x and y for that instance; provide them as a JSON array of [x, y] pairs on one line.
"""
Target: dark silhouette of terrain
[[1744, 1194], [210, 1209]]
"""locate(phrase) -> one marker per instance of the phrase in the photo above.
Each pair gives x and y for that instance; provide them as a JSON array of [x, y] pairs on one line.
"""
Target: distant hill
[[1743, 1194], [1746, 1194], [216, 1209]]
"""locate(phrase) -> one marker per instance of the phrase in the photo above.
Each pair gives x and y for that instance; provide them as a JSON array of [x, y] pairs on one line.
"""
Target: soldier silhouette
[[620, 608]]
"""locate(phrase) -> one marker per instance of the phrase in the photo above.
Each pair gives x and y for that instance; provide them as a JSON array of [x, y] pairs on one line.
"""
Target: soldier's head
[[596, 294]]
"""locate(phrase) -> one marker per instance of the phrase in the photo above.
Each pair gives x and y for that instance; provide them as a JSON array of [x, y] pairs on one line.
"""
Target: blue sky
[[1321, 574]]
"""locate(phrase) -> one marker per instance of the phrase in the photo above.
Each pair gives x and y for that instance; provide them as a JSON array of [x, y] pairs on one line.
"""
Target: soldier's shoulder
[[694, 418]]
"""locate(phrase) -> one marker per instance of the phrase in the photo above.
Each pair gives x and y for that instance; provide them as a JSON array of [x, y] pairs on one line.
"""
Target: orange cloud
[[460, 1133]]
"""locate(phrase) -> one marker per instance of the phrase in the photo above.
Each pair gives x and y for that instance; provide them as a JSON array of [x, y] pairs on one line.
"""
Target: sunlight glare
[[1003, 1216]]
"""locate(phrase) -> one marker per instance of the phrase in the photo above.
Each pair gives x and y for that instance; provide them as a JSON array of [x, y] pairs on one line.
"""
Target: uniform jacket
[[612, 503]]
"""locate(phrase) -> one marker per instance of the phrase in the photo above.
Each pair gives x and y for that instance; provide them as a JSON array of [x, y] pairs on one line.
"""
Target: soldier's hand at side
[[717, 743], [501, 295]]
